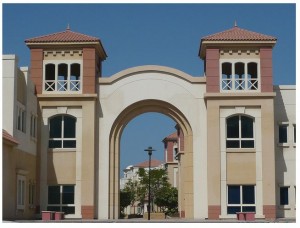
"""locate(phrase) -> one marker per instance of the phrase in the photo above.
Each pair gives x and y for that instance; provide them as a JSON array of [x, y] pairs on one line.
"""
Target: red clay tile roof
[[145, 164], [238, 34], [65, 36], [171, 136], [10, 138]]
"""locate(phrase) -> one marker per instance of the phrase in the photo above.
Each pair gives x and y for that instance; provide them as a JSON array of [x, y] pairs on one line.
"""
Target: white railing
[[50, 85], [239, 84], [62, 85], [252, 84], [75, 85], [226, 84]]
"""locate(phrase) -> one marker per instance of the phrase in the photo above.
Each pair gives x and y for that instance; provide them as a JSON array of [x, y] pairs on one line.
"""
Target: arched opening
[[119, 125], [148, 129]]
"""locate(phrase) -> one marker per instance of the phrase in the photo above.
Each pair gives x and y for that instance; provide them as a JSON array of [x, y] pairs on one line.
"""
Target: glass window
[[240, 198], [284, 195], [252, 76], [239, 70], [31, 193], [283, 133], [69, 127], [226, 76], [294, 133], [233, 127], [68, 195], [53, 194], [240, 76], [50, 77], [62, 77], [234, 194], [62, 132], [21, 191], [240, 132], [248, 195], [61, 198], [62, 83], [21, 119]]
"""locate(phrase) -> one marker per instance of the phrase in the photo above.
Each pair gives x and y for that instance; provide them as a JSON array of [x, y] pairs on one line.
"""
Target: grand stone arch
[[138, 90]]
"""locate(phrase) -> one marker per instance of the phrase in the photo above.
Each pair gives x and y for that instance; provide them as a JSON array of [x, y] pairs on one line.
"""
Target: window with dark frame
[[283, 133], [61, 198], [239, 132], [240, 198], [62, 132], [284, 195]]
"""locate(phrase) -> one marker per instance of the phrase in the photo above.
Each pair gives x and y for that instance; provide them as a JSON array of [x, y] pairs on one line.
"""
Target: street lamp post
[[149, 150]]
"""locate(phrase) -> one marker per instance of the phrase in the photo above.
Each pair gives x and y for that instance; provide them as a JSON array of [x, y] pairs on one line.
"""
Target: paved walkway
[[172, 220]]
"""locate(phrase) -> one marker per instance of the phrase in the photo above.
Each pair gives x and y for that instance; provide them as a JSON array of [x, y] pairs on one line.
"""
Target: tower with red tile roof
[[252, 71], [65, 68]]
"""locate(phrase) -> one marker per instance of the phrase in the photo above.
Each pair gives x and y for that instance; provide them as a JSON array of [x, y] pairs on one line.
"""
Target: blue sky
[[160, 34]]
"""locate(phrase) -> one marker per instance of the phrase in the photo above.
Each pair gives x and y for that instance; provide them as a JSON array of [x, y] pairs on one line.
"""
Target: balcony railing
[[239, 84], [62, 85]]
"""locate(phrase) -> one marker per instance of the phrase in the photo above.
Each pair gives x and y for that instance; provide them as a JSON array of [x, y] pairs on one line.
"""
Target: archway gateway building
[[238, 152]]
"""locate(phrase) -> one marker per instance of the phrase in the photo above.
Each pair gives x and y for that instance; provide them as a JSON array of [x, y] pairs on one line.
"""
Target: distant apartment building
[[131, 174], [62, 125]]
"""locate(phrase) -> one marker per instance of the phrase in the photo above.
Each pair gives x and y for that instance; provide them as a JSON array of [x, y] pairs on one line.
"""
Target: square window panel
[[233, 210], [54, 143], [233, 194], [248, 209], [247, 143], [248, 195], [68, 210], [53, 194], [232, 144]]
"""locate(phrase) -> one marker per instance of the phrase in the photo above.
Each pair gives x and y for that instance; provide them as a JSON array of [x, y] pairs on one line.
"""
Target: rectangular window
[[284, 195], [21, 192], [61, 198], [240, 132], [21, 119], [31, 194], [283, 133], [33, 126], [240, 198], [294, 126]]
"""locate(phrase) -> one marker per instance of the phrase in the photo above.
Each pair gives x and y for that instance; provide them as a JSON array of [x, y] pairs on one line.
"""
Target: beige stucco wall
[[285, 113], [178, 90], [14, 160], [241, 168], [69, 166], [61, 167], [265, 173]]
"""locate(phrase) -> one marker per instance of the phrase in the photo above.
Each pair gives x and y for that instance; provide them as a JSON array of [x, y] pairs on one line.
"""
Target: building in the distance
[[131, 174], [63, 121]]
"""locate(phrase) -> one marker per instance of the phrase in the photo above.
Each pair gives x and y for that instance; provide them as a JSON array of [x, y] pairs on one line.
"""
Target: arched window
[[62, 132], [75, 77], [62, 82], [252, 76], [239, 71], [50, 77], [239, 76], [226, 76], [60, 76], [240, 132]]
